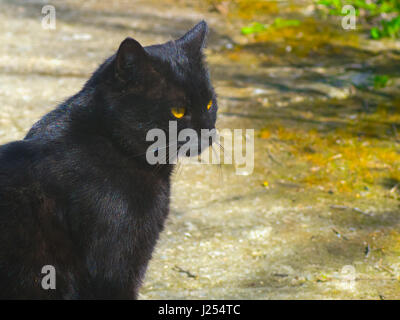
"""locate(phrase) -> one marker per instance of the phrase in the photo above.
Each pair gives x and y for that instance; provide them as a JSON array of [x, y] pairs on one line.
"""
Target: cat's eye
[[209, 105], [178, 112]]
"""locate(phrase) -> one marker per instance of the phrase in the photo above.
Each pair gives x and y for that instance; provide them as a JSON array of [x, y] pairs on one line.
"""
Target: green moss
[[347, 159]]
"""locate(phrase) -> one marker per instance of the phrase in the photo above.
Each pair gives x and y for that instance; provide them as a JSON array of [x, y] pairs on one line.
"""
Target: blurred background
[[319, 217]]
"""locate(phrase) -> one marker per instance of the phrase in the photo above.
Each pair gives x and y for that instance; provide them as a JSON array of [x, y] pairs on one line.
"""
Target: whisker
[[224, 151], [221, 180], [178, 169], [162, 148]]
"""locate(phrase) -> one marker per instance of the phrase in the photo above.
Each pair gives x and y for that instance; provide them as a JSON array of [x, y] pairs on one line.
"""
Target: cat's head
[[147, 87]]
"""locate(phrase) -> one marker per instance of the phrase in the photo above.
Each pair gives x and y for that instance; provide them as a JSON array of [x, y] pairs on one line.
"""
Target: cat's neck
[[90, 118]]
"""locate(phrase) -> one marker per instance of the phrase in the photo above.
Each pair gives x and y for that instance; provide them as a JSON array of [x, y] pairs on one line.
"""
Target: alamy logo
[[349, 20], [49, 20], [49, 280], [348, 277], [232, 147]]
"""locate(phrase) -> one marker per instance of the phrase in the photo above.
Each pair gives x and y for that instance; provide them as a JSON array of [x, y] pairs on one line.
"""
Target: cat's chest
[[118, 203], [135, 195], [142, 190]]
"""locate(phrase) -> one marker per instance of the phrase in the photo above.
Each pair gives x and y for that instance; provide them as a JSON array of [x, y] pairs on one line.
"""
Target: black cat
[[78, 193]]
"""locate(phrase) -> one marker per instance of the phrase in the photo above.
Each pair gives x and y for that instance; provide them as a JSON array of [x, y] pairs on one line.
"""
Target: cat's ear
[[195, 39], [130, 56]]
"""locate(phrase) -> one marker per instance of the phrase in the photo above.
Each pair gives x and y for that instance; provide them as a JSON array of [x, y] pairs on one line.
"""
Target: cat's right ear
[[131, 57], [194, 40]]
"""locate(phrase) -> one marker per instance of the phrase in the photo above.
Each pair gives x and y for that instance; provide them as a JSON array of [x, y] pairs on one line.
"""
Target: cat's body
[[78, 194]]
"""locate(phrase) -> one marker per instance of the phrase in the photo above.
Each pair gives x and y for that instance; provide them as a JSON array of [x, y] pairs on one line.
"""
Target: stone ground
[[318, 218]]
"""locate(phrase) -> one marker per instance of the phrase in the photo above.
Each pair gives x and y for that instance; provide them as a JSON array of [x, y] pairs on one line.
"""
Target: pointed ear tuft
[[195, 39], [130, 54]]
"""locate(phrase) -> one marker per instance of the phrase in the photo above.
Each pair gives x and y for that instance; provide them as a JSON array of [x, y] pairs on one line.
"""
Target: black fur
[[77, 193]]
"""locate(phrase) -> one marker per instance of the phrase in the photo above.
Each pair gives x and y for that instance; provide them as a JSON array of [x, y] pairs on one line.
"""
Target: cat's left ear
[[195, 39], [131, 58]]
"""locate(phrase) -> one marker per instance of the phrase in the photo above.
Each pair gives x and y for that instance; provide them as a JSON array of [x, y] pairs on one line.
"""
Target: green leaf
[[381, 81], [371, 9], [255, 27], [283, 23], [375, 34]]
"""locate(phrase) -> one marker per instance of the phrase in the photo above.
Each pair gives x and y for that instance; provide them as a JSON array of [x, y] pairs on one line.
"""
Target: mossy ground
[[323, 197]]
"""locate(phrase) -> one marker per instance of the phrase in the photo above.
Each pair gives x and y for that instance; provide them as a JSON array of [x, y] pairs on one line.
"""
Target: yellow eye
[[209, 105], [178, 112]]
